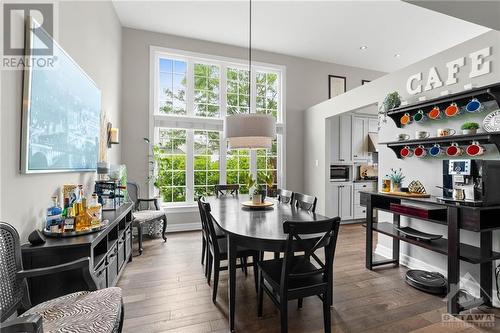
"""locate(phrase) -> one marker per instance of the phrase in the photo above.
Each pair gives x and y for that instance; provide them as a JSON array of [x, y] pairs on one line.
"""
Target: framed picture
[[336, 85], [363, 82]]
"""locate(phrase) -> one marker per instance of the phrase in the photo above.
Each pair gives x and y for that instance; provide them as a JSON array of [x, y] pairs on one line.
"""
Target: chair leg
[[284, 315], [139, 235], [256, 271], [216, 279], [300, 301], [203, 248], [207, 254], [260, 295], [209, 264], [164, 231], [327, 316]]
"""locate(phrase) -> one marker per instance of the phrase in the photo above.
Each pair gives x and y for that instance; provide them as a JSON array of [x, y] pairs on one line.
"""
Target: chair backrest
[[207, 220], [285, 196], [13, 291], [133, 192], [222, 189], [327, 231], [304, 201]]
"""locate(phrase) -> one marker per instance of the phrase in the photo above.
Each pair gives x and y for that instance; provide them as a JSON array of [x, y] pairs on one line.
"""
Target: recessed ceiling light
[[397, 55], [364, 47]]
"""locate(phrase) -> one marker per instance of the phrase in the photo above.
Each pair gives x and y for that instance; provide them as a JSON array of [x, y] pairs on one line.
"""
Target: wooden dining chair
[[304, 201], [285, 196], [296, 277], [217, 251], [221, 189]]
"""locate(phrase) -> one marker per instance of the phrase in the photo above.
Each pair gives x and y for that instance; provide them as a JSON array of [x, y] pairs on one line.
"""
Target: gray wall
[[306, 85], [91, 33], [428, 170]]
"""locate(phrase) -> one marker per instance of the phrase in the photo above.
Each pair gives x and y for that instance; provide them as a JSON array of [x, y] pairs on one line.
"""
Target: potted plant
[[469, 128], [269, 179], [396, 177], [257, 197], [391, 101], [250, 183]]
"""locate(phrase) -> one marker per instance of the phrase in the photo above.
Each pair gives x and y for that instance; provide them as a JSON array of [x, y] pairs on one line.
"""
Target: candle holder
[[112, 135]]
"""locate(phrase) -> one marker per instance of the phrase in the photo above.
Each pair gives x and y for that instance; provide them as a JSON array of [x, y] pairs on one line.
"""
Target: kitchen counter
[[365, 181]]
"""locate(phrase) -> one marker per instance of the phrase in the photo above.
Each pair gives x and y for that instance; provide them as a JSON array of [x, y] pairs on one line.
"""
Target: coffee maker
[[471, 182]]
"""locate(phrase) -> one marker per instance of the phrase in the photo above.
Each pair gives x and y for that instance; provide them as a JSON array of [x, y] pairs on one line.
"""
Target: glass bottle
[[95, 212], [54, 220]]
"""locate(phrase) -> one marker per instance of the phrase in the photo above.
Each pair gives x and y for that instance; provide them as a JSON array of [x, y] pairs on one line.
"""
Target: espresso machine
[[471, 182]]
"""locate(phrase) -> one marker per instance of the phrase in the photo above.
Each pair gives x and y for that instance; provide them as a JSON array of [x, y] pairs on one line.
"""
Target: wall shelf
[[483, 94], [482, 138]]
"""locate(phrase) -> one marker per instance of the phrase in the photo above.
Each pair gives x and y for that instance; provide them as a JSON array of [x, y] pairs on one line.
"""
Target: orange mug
[[452, 110], [435, 113], [405, 119]]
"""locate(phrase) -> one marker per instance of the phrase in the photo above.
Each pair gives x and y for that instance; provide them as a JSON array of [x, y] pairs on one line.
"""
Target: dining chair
[[218, 251], [304, 201], [222, 189], [296, 277], [145, 214], [81, 311], [285, 196]]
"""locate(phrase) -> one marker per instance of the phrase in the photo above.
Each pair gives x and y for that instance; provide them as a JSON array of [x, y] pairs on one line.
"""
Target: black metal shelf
[[482, 138], [483, 94]]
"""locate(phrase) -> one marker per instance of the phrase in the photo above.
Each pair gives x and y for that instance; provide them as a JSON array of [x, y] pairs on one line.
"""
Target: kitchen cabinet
[[342, 205], [360, 127], [359, 212], [341, 149], [373, 125]]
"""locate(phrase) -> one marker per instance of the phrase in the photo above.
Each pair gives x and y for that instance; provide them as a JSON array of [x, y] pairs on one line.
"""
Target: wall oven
[[340, 173]]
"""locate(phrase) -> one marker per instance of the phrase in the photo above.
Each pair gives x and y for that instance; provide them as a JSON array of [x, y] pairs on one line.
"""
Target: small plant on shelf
[[469, 128], [391, 101], [396, 177]]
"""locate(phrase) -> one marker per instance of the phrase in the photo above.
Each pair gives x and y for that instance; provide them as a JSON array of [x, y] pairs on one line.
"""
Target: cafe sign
[[479, 65]]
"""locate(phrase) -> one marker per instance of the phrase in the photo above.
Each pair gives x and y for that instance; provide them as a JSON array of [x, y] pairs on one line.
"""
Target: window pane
[[238, 168], [206, 162], [267, 166], [267, 93], [237, 91], [206, 90], [172, 87], [171, 164]]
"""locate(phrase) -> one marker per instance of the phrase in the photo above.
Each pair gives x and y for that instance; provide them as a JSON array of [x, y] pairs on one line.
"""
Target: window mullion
[[253, 101], [223, 113], [190, 166]]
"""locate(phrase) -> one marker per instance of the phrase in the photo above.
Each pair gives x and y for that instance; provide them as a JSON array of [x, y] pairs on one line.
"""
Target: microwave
[[340, 173]]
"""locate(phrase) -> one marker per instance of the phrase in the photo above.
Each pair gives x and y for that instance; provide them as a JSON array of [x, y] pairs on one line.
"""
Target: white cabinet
[[342, 201], [373, 125], [341, 139], [360, 211], [361, 126]]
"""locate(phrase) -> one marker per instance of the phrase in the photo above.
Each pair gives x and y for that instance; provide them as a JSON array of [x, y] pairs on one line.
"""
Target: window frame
[[191, 123]]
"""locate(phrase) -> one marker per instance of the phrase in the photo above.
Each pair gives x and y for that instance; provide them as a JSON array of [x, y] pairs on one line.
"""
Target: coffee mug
[[445, 132], [452, 110], [435, 113], [405, 119], [406, 152], [403, 137], [420, 151], [419, 116], [436, 150], [475, 149], [422, 135], [454, 150], [474, 106]]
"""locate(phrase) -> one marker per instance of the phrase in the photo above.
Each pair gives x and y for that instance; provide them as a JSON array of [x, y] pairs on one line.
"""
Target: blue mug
[[474, 106], [436, 151]]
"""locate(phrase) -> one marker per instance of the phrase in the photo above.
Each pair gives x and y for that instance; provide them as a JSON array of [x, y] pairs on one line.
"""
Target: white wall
[[91, 33], [306, 84], [428, 170]]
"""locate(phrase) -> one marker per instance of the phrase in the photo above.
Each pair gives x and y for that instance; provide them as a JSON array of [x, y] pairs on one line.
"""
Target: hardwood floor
[[165, 291]]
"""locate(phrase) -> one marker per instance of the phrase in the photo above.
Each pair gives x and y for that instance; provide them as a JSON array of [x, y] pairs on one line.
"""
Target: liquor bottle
[[82, 218], [95, 211], [54, 220]]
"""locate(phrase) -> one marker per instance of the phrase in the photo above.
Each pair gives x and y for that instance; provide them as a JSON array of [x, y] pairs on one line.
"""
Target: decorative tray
[[408, 194], [262, 205], [72, 233], [419, 235]]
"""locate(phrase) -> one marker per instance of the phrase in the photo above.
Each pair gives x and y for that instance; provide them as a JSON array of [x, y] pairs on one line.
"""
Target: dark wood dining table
[[253, 229]]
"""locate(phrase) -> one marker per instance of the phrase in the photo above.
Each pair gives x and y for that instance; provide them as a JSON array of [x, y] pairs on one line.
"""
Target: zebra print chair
[[98, 311]]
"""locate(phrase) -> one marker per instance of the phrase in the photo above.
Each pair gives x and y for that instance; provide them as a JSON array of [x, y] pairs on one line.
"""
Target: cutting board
[[408, 194], [368, 171]]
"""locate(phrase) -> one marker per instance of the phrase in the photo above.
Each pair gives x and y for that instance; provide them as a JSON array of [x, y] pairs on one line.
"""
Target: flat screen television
[[61, 113]]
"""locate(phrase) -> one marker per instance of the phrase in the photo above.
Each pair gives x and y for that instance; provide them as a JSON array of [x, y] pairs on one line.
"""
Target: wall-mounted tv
[[61, 113]]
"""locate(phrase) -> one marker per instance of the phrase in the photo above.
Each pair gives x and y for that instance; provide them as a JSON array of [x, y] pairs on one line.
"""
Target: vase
[[471, 131], [263, 196], [257, 199], [396, 187]]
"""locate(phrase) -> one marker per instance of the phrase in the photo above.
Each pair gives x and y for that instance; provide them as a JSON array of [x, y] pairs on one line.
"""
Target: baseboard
[[177, 227]]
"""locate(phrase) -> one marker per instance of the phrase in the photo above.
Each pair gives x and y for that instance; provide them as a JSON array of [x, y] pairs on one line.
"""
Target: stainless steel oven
[[340, 173]]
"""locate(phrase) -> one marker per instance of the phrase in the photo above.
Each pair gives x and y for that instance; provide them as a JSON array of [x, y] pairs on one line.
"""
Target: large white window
[[190, 96]]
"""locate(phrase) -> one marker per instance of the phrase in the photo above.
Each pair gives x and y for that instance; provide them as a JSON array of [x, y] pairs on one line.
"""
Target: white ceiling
[[330, 31]]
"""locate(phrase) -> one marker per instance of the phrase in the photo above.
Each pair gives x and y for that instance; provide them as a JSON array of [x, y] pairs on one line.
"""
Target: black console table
[[109, 251], [477, 219]]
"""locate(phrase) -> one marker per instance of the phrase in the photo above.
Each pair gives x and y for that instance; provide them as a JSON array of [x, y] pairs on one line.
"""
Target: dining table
[[255, 229]]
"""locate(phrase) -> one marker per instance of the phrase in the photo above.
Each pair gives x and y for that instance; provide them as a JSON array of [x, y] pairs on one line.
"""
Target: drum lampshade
[[250, 131]]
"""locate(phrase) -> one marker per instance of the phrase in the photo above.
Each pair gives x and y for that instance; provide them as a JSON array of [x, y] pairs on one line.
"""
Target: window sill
[[184, 208]]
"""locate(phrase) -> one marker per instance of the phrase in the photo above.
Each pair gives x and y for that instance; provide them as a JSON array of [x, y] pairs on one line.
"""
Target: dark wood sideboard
[[456, 217], [109, 250]]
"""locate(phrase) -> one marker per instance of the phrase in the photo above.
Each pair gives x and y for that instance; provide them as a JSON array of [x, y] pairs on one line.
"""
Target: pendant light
[[250, 130]]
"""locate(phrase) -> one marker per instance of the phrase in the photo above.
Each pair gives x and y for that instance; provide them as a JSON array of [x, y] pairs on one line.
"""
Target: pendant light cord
[[250, 55]]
